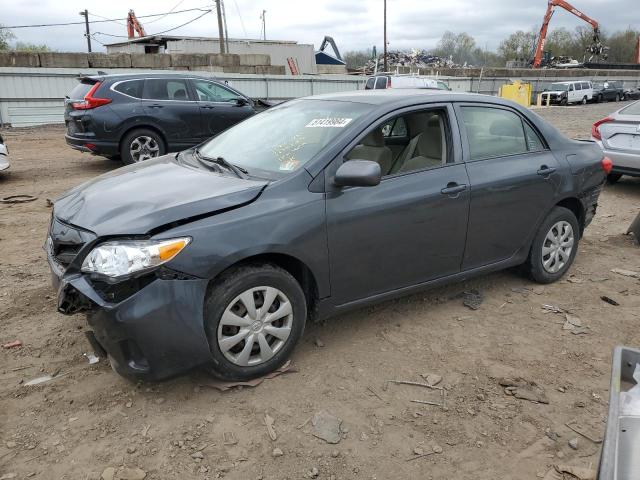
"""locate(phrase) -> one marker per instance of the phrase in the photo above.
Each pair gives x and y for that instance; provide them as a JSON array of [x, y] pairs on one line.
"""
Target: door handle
[[155, 105], [208, 107], [545, 171], [453, 188]]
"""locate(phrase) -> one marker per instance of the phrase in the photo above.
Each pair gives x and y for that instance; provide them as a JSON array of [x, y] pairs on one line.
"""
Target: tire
[[584, 100], [564, 102], [600, 99], [617, 97], [549, 267], [147, 142], [225, 315], [613, 178]]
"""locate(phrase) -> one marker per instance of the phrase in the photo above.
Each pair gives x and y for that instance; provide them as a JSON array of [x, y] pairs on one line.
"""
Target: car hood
[[147, 196], [556, 92]]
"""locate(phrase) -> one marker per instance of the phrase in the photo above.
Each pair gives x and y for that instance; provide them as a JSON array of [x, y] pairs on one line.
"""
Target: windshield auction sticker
[[331, 122]]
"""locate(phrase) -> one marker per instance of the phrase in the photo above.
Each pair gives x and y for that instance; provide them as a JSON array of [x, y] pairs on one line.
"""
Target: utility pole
[[264, 24], [386, 65], [226, 32], [220, 28], [85, 14]]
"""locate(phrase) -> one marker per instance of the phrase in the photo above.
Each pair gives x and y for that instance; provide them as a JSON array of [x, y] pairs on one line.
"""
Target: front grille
[[66, 242]]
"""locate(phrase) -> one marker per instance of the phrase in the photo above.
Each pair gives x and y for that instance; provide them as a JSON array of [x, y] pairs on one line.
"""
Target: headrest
[[418, 122], [505, 128], [180, 94], [375, 138], [430, 143]]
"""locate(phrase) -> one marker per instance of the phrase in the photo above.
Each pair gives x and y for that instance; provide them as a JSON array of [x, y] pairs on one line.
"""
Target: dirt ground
[[88, 418]]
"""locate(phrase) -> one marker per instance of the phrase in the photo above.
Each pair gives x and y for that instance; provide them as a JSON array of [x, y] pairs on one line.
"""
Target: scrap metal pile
[[416, 59]]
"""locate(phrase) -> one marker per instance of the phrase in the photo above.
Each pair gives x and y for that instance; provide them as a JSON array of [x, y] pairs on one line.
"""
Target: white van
[[564, 93], [403, 81]]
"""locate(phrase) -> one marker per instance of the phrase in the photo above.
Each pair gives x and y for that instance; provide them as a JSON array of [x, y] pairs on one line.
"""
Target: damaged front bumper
[[152, 326]]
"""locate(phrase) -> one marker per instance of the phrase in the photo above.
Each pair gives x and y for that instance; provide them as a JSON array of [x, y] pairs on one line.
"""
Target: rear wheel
[[600, 99], [554, 246], [254, 316], [613, 178], [617, 97], [141, 144]]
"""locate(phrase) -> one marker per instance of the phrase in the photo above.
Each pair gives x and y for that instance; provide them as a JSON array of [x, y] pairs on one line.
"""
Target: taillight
[[595, 129], [388, 82], [607, 165], [90, 101]]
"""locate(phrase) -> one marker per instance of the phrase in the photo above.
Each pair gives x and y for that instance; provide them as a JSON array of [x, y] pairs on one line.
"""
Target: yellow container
[[518, 92]]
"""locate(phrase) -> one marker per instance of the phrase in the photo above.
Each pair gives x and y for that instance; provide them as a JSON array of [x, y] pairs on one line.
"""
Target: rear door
[[514, 181], [220, 107], [168, 101]]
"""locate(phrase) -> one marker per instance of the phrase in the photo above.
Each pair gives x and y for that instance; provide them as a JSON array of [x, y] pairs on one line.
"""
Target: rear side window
[[371, 83], [534, 143], [132, 88], [165, 89], [381, 83], [493, 132], [586, 86], [80, 90], [579, 86], [633, 109]]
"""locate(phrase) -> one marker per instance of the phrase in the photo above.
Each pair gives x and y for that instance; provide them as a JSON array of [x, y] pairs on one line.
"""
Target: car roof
[[133, 76], [406, 97]]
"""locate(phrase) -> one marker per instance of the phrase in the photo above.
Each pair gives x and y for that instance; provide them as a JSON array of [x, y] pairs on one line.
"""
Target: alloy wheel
[[143, 148], [557, 247], [255, 326]]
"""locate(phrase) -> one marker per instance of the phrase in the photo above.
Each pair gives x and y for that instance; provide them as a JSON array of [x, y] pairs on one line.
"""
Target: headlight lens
[[116, 259]]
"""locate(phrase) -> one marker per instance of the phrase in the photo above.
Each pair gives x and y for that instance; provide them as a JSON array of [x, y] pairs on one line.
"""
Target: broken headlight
[[120, 258]]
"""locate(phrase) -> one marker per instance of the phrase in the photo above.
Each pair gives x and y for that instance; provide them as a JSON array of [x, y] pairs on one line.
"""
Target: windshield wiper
[[220, 161]]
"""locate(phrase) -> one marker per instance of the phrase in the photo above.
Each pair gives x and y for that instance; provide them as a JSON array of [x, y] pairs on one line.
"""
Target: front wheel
[[554, 247], [254, 316], [600, 99], [141, 144], [584, 100]]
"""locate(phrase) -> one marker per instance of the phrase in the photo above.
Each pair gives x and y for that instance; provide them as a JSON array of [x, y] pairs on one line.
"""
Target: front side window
[[165, 89], [371, 83], [381, 83], [493, 132], [213, 92], [284, 138], [420, 143]]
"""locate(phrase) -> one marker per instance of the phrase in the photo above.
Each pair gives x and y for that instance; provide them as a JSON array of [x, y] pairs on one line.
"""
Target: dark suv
[[135, 117], [608, 91]]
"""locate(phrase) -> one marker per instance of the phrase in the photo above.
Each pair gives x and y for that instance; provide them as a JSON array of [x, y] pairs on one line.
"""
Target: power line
[[168, 13], [103, 21], [158, 33], [107, 19]]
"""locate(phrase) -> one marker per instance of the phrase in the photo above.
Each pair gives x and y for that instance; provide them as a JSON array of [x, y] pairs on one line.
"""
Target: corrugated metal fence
[[34, 96]]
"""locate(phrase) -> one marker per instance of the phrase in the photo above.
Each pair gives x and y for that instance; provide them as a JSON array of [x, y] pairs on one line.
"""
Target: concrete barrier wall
[[183, 61]]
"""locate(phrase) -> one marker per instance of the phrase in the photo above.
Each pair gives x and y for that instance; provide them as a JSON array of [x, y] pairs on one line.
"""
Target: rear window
[[165, 89], [633, 109], [132, 88], [79, 92], [371, 83]]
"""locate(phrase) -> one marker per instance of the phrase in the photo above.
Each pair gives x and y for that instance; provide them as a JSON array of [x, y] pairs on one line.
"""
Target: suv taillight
[[90, 101], [595, 129], [388, 82], [607, 165]]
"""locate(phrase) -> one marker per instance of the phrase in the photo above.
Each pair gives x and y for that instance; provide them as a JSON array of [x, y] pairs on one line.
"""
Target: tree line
[[462, 48]]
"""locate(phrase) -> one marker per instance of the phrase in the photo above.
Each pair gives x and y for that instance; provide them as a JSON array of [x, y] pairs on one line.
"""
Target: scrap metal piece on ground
[[473, 299], [626, 273], [15, 343], [326, 427], [223, 386], [634, 228], [609, 300], [18, 199], [269, 422]]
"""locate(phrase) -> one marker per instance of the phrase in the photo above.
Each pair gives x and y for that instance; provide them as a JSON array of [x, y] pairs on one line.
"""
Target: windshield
[[559, 87], [284, 138]]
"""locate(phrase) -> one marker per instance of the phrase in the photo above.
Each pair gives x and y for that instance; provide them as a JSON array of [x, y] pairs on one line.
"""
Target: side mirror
[[358, 173], [241, 101]]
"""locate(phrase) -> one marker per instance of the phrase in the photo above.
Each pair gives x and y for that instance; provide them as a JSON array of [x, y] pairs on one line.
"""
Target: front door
[[220, 107], [411, 227], [514, 181], [167, 100]]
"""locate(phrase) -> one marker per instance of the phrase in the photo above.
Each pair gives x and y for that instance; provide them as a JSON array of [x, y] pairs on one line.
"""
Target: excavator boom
[[134, 26], [596, 48]]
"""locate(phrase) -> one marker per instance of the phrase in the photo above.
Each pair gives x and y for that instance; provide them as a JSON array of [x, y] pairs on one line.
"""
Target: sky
[[353, 24]]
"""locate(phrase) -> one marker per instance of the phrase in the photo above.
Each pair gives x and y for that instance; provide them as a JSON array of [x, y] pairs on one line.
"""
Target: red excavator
[[134, 26], [596, 49]]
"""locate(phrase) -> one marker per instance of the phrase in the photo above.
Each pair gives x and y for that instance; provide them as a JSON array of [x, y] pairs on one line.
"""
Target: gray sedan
[[4, 155], [619, 137]]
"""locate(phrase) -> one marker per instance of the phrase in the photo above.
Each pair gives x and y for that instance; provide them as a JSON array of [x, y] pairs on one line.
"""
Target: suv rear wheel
[[141, 144], [554, 246], [254, 316]]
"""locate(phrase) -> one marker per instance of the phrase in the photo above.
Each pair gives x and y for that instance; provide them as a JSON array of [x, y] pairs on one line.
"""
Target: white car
[[382, 82], [4, 155], [564, 93]]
